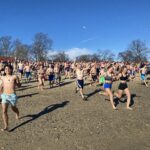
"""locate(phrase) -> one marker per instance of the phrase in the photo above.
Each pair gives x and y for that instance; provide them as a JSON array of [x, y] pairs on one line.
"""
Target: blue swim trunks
[[9, 99], [27, 74], [80, 84], [142, 76], [51, 77], [107, 86]]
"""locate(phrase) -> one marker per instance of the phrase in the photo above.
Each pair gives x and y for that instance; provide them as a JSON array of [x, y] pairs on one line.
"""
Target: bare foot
[[115, 108], [5, 129], [101, 93], [17, 117], [129, 108]]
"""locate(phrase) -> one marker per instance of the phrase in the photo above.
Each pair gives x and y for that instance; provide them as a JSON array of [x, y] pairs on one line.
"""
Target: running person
[[123, 87], [20, 70], [93, 74], [108, 85], [67, 70], [143, 71], [41, 77], [27, 69], [8, 95], [80, 81], [57, 74], [50, 73]]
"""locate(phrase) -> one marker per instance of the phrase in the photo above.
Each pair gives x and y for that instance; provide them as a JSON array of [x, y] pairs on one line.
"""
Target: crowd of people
[[99, 74]]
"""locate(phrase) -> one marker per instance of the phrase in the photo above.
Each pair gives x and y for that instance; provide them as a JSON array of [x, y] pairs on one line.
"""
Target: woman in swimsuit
[[123, 86], [108, 85]]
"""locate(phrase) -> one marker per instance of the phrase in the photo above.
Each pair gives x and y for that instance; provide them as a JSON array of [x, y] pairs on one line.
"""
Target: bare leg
[[42, 84], [118, 94], [128, 98], [111, 97], [82, 95], [15, 109], [145, 83], [103, 93], [81, 92], [5, 116]]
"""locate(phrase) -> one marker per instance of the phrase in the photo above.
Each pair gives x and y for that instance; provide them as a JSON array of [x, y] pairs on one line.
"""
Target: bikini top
[[124, 78], [108, 78]]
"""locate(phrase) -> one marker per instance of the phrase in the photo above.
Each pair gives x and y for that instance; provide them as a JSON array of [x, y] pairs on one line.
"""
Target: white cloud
[[73, 52], [52, 53]]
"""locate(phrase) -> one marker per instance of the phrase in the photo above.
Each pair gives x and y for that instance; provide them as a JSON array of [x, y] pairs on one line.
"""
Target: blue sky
[[86, 25]]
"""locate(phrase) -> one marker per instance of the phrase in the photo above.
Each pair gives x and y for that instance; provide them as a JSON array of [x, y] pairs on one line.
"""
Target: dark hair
[[110, 66], [122, 68], [10, 67]]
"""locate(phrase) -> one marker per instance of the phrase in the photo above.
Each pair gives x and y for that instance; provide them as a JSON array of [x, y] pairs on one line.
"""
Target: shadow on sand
[[94, 92], [27, 95], [45, 111], [61, 84], [117, 100]]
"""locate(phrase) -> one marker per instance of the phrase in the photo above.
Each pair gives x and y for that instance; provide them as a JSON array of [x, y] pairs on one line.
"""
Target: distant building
[[10, 59]]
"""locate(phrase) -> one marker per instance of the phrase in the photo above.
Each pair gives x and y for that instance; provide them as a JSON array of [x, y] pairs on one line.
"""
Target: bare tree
[[42, 43], [5, 45], [20, 51], [60, 57], [136, 52], [126, 56], [106, 55], [84, 58], [139, 50]]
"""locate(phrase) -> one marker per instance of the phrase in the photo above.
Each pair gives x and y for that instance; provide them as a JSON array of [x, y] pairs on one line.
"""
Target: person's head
[[41, 66], [123, 69], [27, 63], [110, 68], [80, 66], [50, 65], [8, 70]]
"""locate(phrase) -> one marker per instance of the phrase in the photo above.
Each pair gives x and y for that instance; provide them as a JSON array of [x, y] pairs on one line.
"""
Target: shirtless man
[[8, 95], [57, 74], [41, 77], [93, 74], [80, 81], [67, 70], [20, 69], [27, 70], [50, 73], [73, 68], [143, 71]]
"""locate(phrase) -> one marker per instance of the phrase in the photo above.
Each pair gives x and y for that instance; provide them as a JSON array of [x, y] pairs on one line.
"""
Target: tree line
[[137, 51], [38, 50]]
